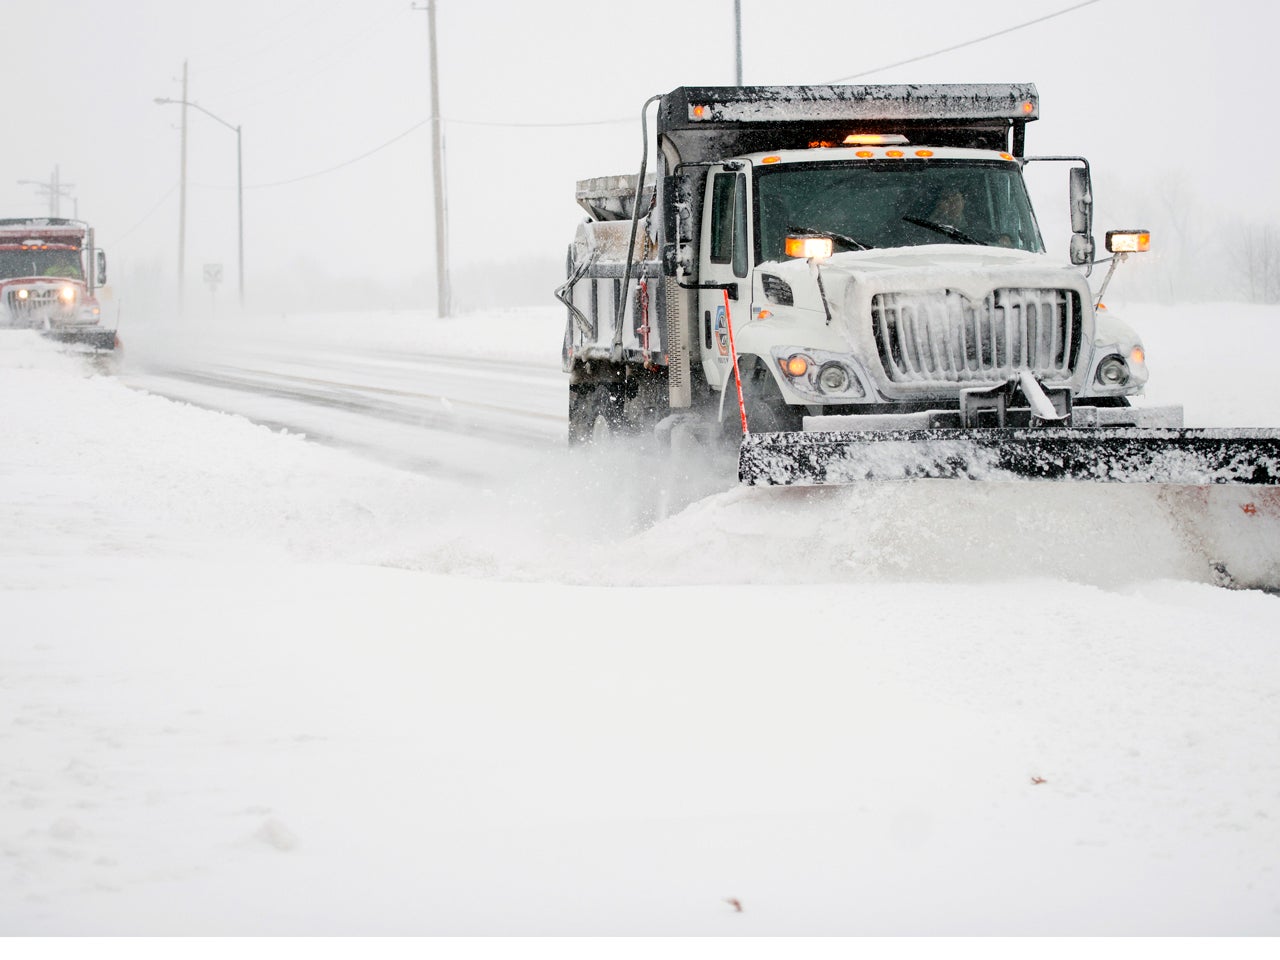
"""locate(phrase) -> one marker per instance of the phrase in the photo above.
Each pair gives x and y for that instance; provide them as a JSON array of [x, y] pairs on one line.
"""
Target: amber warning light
[[1128, 241], [809, 247], [874, 139]]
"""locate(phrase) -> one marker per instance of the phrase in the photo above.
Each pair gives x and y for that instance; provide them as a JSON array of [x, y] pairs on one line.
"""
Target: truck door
[[725, 253]]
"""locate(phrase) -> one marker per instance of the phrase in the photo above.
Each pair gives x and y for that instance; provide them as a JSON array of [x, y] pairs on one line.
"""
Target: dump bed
[[18, 229], [711, 123]]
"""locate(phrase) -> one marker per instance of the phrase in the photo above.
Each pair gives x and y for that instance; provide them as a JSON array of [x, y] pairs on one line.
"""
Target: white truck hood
[[933, 283], [972, 269]]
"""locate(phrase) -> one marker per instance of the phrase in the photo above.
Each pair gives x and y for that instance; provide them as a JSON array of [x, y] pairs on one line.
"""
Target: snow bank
[[256, 686]]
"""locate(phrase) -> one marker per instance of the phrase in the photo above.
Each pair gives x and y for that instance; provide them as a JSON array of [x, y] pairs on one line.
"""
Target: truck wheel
[[595, 412], [767, 412]]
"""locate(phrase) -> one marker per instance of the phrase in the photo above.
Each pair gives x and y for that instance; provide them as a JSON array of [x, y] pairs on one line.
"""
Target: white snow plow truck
[[50, 271], [852, 280]]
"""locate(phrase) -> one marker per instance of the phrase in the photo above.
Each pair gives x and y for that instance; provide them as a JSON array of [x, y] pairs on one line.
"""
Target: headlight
[[833, 378], [820, 375], [23, 294], [1113, 372], [67, 294]]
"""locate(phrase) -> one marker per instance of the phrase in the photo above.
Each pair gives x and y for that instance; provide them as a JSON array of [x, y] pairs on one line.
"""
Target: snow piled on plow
[[936, 531]]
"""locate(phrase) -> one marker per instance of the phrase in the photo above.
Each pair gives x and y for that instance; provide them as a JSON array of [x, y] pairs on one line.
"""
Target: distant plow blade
[[1111, 455], [92, 337]]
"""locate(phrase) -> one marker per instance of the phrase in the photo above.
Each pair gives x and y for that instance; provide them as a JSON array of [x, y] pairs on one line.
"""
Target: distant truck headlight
[[1113, 371]]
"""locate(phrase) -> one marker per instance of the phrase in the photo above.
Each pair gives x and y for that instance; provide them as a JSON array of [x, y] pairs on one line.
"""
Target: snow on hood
[[973, 270]]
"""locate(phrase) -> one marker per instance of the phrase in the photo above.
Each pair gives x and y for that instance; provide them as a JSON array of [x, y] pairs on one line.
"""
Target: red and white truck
[[50, 274]]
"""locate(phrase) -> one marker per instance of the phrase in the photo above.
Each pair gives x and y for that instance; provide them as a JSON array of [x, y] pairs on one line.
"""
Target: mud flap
[[1194, 457]]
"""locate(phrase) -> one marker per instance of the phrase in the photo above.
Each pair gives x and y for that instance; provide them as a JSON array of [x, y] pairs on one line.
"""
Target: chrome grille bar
[[943, 336]]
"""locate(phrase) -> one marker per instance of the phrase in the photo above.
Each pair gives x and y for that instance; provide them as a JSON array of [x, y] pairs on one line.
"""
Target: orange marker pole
[[733, 352]]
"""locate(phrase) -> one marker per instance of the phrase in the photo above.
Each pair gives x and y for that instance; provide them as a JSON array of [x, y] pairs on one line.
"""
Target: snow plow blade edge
[[1194, 457]]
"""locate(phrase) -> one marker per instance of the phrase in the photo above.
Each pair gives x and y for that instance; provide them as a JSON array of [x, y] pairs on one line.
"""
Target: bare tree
[[1260, 261]]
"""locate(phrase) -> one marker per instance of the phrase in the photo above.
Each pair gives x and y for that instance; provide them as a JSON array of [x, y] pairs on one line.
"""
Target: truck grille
[[944, 336], [37, 304]]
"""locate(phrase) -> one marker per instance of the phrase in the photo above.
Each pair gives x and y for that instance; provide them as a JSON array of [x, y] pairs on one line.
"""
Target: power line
[[422, 123], [274, 38], [574, 123], [147, 216], [967, 43], [339, 53], [599, 123], [345, 163]]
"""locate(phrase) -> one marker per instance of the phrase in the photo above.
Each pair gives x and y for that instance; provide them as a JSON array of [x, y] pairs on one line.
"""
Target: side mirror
[[102, 267], [1081, 201], [677, 225], [677, 192], [1081, 249], [1081, 217]]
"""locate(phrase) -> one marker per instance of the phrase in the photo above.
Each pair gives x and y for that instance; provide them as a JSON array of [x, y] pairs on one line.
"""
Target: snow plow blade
[[93, 338], [1195, 457]]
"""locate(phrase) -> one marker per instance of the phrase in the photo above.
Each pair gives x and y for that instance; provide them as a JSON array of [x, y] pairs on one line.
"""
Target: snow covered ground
[[253, 684]]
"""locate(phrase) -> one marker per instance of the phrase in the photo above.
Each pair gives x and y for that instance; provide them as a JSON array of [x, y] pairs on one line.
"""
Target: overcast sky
[[1147, 89]]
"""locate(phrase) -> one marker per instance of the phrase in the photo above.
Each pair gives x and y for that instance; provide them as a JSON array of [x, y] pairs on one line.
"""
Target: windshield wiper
[[945, 229], [850, 242]]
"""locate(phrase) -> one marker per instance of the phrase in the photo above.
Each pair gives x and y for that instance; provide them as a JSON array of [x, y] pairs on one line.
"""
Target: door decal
[[722, 332]]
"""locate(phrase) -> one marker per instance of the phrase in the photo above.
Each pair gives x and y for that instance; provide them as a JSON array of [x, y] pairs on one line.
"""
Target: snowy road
[[452, 415], [252, 684]]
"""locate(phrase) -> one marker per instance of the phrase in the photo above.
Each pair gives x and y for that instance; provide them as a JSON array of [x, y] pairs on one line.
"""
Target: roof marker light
[[893, 153], [874, 139], [770, 159], [698, 112], [1006, 156], [924, 153], [1028, 107], [864, 153]]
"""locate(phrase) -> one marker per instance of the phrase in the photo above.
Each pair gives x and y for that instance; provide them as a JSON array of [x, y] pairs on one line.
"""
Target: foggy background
[[1172, 102]]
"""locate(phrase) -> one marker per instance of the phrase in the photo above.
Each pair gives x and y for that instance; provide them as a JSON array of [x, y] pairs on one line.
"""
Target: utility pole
[[737, 37], [235, 128], [55, 189], [437, 168], [240, 216], [182, 194]]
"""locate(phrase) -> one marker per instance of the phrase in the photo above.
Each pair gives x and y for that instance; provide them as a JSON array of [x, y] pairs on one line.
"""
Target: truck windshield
[[899, 203], [40, 263]]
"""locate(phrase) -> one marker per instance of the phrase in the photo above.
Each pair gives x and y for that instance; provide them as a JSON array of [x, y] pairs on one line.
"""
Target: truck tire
[[767, 412], [595, 412]]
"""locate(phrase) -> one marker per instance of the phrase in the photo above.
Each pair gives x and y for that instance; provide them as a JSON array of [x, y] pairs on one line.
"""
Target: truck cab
[[50, 274]]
